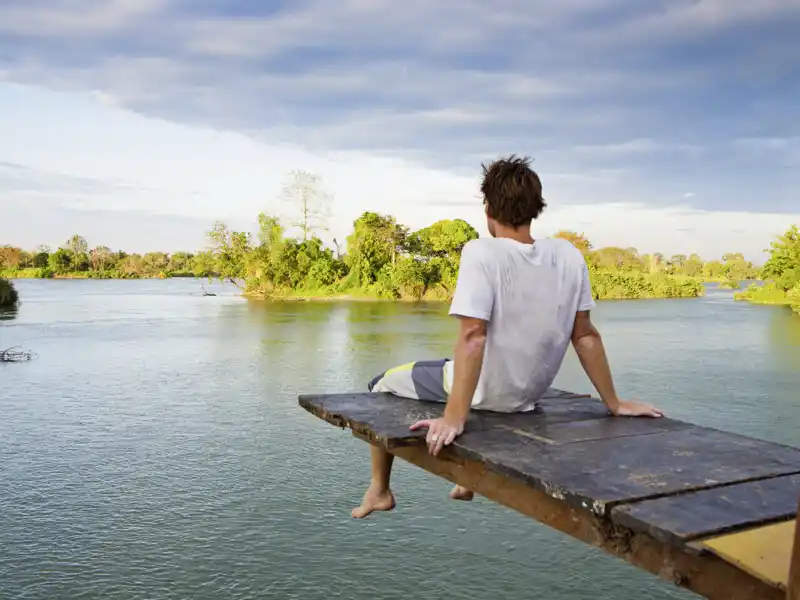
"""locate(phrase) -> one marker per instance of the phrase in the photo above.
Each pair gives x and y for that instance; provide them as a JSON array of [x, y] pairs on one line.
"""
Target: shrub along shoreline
[[781, 274]]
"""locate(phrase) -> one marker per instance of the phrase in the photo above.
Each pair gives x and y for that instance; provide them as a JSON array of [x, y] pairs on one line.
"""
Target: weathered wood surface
[[793, 592], [641, 488], [685, 517]]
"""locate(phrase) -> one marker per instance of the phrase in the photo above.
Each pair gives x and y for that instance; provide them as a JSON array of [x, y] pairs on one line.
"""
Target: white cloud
[[75, 17]]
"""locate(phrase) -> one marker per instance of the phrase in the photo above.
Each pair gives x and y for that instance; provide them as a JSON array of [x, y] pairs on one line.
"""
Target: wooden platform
[[708, 510]]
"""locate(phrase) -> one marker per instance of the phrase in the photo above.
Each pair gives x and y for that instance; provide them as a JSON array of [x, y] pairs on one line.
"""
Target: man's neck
[[519, 234]]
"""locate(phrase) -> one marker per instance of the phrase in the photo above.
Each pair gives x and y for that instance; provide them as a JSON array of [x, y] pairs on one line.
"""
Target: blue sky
[[664, 125]]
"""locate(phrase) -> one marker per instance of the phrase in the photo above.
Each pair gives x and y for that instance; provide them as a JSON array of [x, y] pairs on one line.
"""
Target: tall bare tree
[[311, 204]]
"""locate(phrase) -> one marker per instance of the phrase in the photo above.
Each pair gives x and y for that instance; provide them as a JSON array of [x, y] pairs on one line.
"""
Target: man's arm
[[468, 360], [590, 350], [472, 303], [589, 347]]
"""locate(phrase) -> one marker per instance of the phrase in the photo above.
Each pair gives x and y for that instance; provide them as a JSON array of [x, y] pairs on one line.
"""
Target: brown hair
[[512, 191]]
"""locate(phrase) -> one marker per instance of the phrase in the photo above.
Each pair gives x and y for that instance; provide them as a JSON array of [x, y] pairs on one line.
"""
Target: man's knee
[[420, 380], [374, 381]]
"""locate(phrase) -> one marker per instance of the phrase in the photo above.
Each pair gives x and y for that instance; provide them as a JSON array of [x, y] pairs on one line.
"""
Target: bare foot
[[373, 501], [461, 493]]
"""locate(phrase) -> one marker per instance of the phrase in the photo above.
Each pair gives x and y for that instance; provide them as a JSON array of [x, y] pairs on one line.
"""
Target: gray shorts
[[420, 380]]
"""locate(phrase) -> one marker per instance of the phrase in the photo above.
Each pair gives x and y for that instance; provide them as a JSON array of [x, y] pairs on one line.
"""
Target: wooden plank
[[793, 593], [635, 459], [706, 574], [763, 552], [678, 519], [602, 473], [387, 417], [557, 420]]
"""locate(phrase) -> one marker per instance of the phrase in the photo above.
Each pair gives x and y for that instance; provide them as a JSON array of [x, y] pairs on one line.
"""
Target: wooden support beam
[[793, 591], [704, 573]]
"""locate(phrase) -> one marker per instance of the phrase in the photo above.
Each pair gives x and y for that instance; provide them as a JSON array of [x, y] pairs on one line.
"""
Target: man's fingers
[[437, 445], [443, 438], [420, 424], [432, 438]]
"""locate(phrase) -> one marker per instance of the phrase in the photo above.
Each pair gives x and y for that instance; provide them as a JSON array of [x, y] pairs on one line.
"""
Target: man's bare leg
[[379, 495], [461, 493]]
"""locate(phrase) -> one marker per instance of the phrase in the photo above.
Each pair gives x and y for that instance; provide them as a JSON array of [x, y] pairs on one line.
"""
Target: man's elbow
[[475, 343], [473, 337], [585, 337]]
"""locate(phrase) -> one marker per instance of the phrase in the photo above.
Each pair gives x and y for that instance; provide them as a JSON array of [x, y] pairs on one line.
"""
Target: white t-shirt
[[529, 294]]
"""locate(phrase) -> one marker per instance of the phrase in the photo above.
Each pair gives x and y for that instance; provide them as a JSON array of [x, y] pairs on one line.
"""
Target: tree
[[10, 257], [77, 245], [230, 250], [733, 257], [270, 231], [443, 238], [576, 239], [101, 258], [372, 245], [621, 259], [303, 191], [203, 264], [60, 261], [783, 266], [40, 259], [180, 262], [155, 263], [131, 265]]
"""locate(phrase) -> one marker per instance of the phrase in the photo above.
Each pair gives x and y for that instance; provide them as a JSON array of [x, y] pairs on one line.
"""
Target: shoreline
[[322, 297]]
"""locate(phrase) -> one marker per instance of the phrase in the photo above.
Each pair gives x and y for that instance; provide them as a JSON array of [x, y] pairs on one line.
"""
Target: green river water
[[155, 449]]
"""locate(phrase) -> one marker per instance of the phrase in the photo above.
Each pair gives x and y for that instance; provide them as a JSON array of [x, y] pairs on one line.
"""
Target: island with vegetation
[[382, 259], [781, 274], [8, 295]]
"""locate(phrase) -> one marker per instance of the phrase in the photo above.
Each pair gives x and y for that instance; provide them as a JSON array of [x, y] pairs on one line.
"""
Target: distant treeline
[[75, 259], [383, 259]]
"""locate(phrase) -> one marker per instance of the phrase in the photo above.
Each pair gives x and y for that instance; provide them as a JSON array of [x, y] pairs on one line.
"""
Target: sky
[[667, 125]]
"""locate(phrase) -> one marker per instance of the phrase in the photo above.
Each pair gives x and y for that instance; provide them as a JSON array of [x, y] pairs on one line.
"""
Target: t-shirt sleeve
[[585, 301], [474, 295]]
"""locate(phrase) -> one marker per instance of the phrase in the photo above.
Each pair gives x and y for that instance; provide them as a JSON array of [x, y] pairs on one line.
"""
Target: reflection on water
[[156, 449], [785, 333]]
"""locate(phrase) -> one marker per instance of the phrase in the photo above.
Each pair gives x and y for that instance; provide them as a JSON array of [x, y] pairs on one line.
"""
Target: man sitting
[[520, 302]]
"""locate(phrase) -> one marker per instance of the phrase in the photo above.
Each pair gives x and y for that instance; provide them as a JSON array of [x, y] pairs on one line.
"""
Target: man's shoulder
[[564, 248], [479, 248]]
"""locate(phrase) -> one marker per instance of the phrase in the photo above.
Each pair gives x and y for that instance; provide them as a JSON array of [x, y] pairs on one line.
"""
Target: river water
[[155, 448]]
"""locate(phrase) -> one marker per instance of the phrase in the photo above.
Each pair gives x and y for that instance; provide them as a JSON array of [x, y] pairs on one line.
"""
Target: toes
[[360, 512]]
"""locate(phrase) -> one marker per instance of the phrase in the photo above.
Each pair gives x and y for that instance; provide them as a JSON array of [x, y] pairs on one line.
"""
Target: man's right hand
[[634, 408]]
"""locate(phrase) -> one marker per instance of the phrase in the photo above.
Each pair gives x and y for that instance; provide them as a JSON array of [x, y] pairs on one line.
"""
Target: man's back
[[529, 294]]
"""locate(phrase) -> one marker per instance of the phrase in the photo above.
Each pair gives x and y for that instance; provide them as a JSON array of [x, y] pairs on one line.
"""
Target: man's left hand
[[441, 432]]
